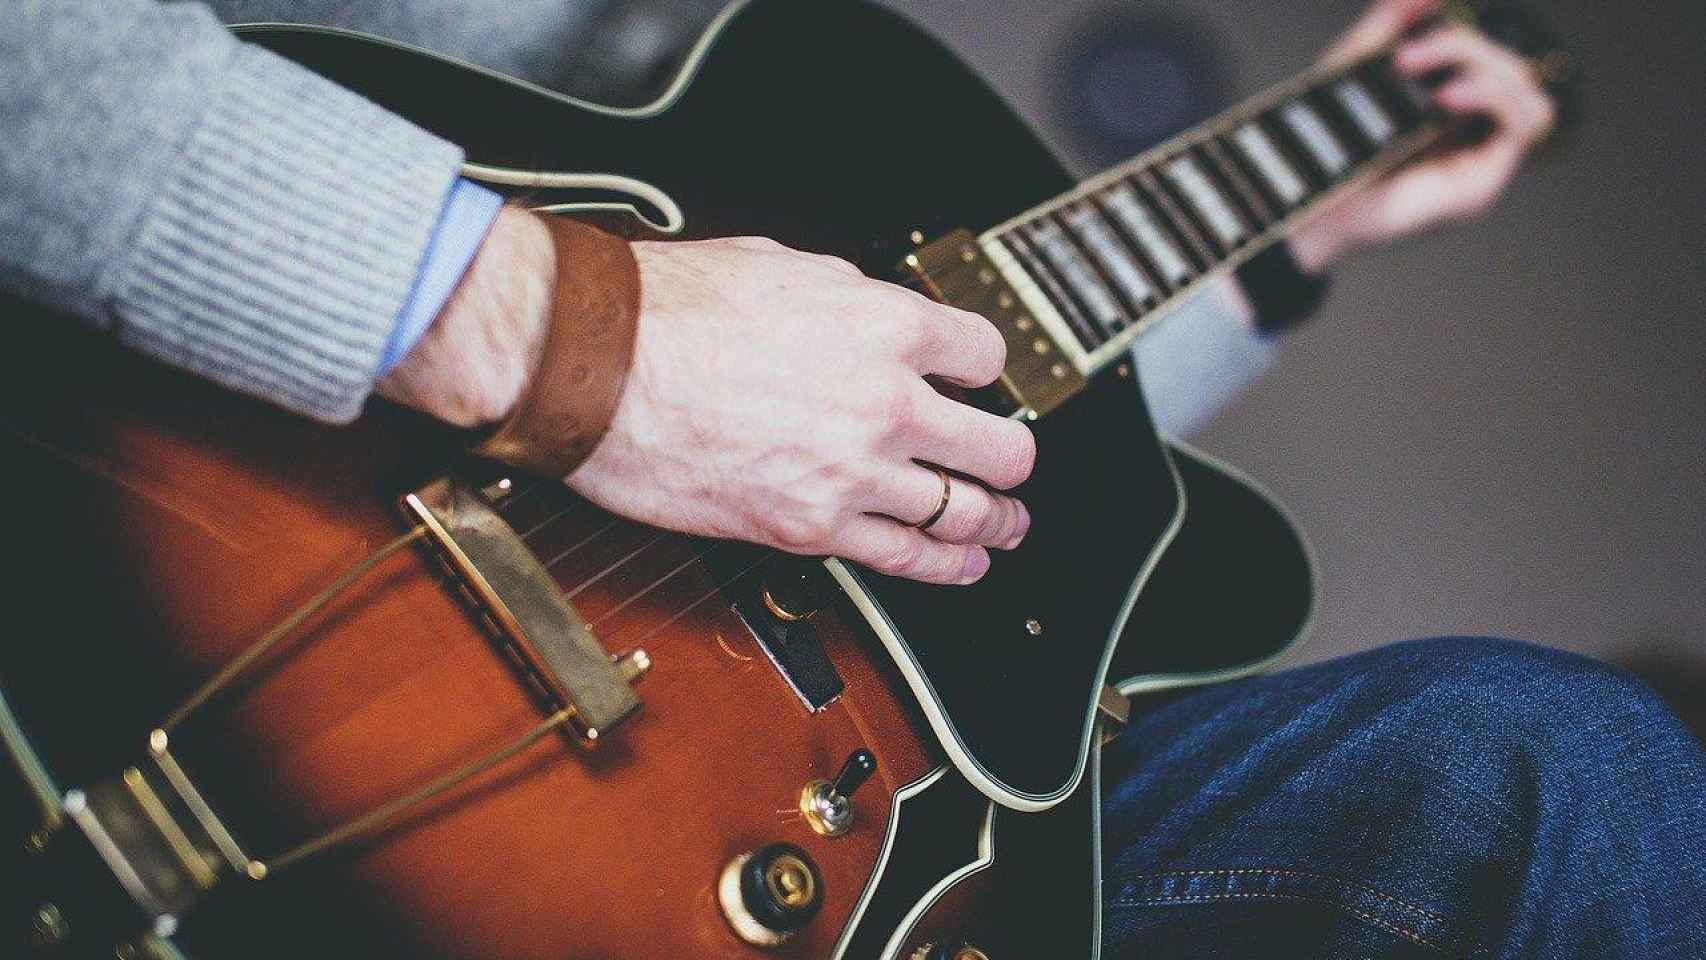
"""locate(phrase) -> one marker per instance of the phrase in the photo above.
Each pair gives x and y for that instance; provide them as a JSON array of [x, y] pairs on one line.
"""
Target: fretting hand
[[776, 397], [1487, 81]]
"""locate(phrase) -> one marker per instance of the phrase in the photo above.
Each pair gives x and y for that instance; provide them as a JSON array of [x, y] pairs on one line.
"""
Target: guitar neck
[[1097, 265]]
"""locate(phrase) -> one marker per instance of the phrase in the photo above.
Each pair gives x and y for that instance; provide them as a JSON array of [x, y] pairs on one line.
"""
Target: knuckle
[[896, 407], [904, 557], [903, 332], [807, 530], [837, 263]]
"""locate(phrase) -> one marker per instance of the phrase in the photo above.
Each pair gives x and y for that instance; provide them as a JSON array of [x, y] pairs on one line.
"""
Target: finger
[[958, 345], [1454, 45], [1383, 22], [1519, 113], [1457, 186], [972, 513], [900, 551], [996, 450]]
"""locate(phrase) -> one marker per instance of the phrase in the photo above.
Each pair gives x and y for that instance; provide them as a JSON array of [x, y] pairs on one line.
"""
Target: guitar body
[[161, 526]]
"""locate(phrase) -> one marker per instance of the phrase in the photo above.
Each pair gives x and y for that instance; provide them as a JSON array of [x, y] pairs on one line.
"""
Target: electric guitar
[[275, 688]]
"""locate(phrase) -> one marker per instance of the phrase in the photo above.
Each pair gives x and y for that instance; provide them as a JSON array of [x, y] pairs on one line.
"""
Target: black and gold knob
[[770, 894]]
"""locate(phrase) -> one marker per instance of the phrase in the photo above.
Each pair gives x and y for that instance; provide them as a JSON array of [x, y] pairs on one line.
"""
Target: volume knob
[[769, 894]]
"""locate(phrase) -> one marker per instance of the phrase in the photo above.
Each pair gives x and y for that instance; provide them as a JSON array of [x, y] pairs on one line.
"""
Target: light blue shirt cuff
[[468, 213]]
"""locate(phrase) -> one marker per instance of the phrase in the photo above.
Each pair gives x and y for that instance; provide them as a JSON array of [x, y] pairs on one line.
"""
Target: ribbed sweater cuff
[[278, 255]]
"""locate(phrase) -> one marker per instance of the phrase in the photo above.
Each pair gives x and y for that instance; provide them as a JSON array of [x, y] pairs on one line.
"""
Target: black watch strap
[[1283, 295]]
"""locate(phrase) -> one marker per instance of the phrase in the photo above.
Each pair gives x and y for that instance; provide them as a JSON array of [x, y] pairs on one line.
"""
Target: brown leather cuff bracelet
[[566, 408]]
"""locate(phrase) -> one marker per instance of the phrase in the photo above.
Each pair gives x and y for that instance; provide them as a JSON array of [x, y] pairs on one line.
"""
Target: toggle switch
[[828, 804]]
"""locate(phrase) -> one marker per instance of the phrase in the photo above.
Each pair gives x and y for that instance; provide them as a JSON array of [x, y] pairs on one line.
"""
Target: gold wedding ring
[[941, 505]]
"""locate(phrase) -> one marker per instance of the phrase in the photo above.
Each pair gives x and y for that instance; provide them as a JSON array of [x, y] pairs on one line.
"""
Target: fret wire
[[1136, 223], [1025, 255], [1296, 154], [1311, 132], [1099, 241], [1221, 123], [1080, 276], [1172, 215], [1371, 121], [1256, 209], [1197, 194], [1268, 166], [1339, 122]]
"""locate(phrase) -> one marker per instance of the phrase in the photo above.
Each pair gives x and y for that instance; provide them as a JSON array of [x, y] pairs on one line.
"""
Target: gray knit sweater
[[226, 211]]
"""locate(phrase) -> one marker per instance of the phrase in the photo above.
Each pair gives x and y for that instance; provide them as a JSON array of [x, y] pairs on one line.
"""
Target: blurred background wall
[[1493, 429]]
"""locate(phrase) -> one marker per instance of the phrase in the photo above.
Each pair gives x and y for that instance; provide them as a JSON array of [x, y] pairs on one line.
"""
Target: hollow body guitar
[[173, 525]]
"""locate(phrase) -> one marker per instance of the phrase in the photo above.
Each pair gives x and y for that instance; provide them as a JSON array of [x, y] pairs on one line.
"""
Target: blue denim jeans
[[1442, 798]]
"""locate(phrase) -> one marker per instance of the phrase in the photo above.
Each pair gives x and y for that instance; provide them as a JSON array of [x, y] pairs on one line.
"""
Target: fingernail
[[977, 564], [1021, 528]]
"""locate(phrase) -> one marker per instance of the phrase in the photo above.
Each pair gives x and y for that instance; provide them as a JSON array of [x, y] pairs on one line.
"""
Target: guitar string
[[607, 571], [714, 591], [655, 584]]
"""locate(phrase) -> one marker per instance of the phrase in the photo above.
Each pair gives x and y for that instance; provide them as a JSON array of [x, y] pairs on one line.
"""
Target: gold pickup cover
[[955, 270]]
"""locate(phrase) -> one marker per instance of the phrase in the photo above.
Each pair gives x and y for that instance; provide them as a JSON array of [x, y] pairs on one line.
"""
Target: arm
[[1209, 350], [209, 203]]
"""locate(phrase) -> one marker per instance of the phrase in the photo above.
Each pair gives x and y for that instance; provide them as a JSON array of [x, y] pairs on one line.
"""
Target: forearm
[[472, 363], [211, 204]]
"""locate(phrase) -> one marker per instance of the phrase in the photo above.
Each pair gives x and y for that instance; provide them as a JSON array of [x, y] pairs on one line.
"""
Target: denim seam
[[1302, 874], [1393, 928]]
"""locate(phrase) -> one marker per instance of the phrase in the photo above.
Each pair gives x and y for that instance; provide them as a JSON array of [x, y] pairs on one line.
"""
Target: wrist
[[474, 361]]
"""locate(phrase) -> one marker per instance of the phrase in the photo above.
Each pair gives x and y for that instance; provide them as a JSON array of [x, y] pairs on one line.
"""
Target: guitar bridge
[[525, 606]]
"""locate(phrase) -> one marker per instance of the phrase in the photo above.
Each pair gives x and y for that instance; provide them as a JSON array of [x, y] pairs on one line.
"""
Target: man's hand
[[1487, 80], [776, 397]]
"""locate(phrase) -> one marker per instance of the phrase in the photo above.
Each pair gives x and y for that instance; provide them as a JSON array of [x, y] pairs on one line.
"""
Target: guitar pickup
[[527, 608], [956, 269]]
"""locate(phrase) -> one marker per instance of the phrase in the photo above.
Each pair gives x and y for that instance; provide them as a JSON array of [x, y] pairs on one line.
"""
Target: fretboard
[[1098, 264]]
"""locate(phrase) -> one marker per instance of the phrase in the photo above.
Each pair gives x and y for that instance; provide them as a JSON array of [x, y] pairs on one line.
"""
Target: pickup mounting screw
[[1034, 627]]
